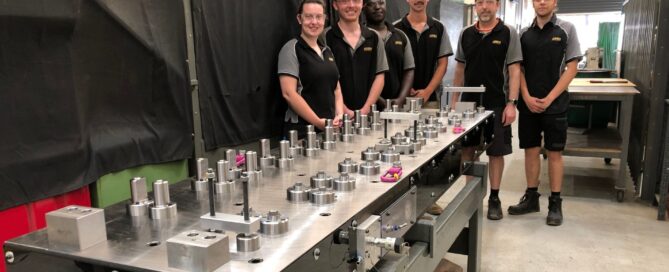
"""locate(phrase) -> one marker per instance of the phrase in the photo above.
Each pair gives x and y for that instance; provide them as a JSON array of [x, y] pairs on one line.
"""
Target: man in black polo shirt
[[551, 53], [431, 49], [489, 54], [360, 57], [399, 78]]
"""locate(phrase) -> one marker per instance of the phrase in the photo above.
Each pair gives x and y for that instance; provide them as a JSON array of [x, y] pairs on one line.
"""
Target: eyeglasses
[[313, 17]]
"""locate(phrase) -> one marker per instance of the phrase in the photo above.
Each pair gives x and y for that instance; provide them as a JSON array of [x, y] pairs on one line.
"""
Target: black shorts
[[496, 134], [553, 126]]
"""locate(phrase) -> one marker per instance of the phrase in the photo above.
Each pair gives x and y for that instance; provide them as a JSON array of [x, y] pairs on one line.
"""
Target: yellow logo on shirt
[[557, 39], [330, 59], [367, 49], [398, 42], [433, 36], [496, 42]]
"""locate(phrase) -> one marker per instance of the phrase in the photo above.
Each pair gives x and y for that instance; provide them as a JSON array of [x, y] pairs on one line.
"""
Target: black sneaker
[[529, 203], [495, 208], [554, 211]]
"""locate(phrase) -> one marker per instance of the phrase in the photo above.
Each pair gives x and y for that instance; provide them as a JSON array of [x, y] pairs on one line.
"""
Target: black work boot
[[529, 203], [495, 208], [554, 211]]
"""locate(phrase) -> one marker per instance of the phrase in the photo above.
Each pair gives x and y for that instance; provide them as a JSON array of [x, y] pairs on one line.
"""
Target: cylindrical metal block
[[222, 167], [138, 209], [264, 148], [480, 109], [298, 193], [370, 155], [224, 187], [322, 196], [348, 166], [231, 156], [441, 127], [329, 134], [383, 145], [344, 183], [292, 137], [405, 148], [442, 114], [468, 114], [358, 118], [199, 185], [138, 191], [390, 156], [266, 162], [273, 224], [254, 176], [430, 133], [286, 163], [321, 180], [398, 139], [370, 168], [164, 212], [202, 165], [283, 149], [251, 161], [396, 108], [161, 192], [416, 146], [248, 242]]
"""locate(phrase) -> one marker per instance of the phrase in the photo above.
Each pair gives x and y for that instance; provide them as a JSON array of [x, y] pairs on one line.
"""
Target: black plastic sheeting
[[88, 88], [237, 44]]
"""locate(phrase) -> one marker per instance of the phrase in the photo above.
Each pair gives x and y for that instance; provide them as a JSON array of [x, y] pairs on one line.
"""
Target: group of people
[[325, 73]]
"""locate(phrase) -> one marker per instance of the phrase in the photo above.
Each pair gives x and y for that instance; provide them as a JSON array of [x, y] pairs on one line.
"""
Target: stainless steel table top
[[128, 240]]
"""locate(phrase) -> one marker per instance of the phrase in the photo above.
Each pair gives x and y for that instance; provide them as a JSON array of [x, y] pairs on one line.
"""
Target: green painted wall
[[115, 187]]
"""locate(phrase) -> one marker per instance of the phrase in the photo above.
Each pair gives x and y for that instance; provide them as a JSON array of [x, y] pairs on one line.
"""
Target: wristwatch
[[514, 101]]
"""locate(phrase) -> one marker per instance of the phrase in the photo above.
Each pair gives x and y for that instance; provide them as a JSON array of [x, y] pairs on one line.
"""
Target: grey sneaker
[[554, 211], [529, 203], [495, 209]]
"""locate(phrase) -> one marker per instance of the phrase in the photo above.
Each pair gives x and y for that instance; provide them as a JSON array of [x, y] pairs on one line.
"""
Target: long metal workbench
[[610, 142], [138, 243]]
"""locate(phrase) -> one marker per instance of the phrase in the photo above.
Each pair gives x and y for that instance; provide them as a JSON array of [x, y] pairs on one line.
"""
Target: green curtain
[[608, 41]]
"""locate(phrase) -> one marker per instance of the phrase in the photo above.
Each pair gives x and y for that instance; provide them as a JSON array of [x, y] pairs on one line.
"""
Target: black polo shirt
[[486, 57], [316, 77], [546, 53], [400, 59], [359, 65], [428, 46]]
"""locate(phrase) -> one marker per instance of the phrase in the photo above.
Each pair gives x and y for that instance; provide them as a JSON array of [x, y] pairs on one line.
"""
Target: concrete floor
[[598, 234]]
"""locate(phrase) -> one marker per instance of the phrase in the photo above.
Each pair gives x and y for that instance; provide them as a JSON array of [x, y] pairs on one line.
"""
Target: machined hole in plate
[[209, 237], [255, 260], [351, 152], [374, 181], [72, 209], [301, 174], [153, 243], [239, 203], [325, 214], [85, 211], [412, 156], [192, 234]]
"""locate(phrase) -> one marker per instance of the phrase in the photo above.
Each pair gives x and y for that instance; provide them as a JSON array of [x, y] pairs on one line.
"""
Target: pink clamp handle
[[240, 160], [458, 130], [392, 175]]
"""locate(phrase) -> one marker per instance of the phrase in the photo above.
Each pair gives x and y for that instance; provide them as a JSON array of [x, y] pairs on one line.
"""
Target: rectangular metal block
[[369, 228], [198, 251], [76, 227], [400, 115], [465, 106], [230, 222]]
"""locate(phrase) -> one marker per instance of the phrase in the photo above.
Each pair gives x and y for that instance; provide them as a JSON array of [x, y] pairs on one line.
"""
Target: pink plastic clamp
[[392, 175], [240, 160]]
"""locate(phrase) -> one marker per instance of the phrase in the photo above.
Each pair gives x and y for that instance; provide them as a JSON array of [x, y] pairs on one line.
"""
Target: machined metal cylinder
[[480, 109], [322, 196], [430, 133], [370, 168], [201, 166], [358, 118], [225, 187], [234, 172], [139, 201], [370, 155], [248, 242], [348, 166], [330, 142], [298, 193], [222, 167], [251, 161], [162, 207], [383, 145], [389, 105], [441, 127], [312, 146], [295, 148], [396, 108], [292, 136], [390, 155], [266, 157], [468, 114], [376, 121], [398, 139], [231, 156], [347, 134], [413, 105], [364, 129], [285, 160], [273, 223], [321, 180], [344, 183], [138, 191]]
